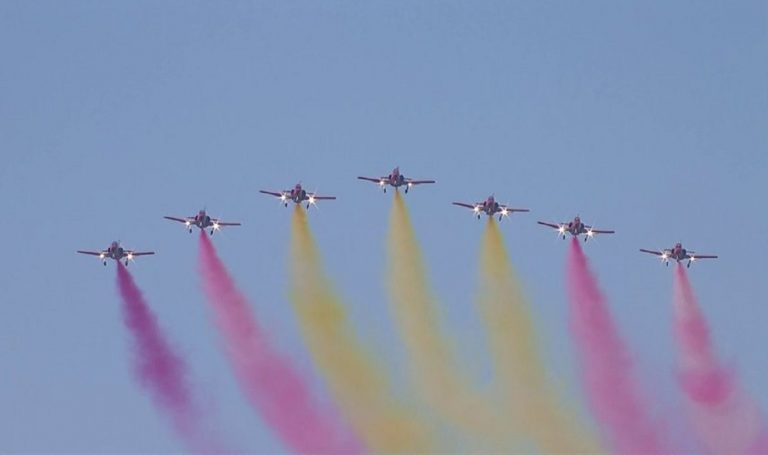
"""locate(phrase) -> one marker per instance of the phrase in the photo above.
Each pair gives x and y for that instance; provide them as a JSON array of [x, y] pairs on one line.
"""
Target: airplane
[[490, 207], [678, 253], [116, 252], [575, 228], [297, 194], [395, 179], [202, 221]]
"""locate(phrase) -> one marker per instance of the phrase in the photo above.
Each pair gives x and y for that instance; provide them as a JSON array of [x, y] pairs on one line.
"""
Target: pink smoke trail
[[271, 383], [726, 420], [606, 366], [160, 369]]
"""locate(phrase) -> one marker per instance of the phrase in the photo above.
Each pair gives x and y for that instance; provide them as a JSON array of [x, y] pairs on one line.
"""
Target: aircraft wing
[[222, 223], [599, 231], [140, 253], [703, 256], [180, 220], [272, 193], [92, 253], [462, 204], [552, 225], [510, 209], [323, 198], [418, 182], [374, 179], [657, 253]]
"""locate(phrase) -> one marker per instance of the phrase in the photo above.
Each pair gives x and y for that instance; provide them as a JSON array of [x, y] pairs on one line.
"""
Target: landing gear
[[126, 263], [500, 217], [211, 231], [190, 230], [105, 263], [307, 206], [406, 190], [285, 205], [385, 189], [688, 266], [478, 217], [586, 238]]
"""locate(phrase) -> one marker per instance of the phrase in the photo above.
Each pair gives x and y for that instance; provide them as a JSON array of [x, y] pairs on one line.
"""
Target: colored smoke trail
[[160, 369], [535, 408], [606, 366], [270, 382], [726, 420], [432, 365], [355, 378]]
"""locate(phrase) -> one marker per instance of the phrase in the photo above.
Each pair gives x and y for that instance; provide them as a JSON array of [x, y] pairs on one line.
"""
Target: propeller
[[128, 259], [505, 212], [283, 198], [561, 231], [216, 226], [664, 255], [312, 202]]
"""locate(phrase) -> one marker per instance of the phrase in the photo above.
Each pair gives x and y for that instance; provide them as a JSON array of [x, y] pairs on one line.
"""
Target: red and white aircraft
[[297, 194], [678, 253], [490, 207], [395, 179], [575, 228], [202, 221], [116, 252]]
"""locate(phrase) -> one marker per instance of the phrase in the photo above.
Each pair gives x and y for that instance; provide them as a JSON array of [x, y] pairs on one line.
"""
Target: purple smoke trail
[[271, 383], [726, 420], [606, 366], [160, 369]]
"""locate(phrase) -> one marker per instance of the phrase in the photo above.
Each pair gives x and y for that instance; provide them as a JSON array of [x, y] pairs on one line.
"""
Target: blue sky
[[648, 118]]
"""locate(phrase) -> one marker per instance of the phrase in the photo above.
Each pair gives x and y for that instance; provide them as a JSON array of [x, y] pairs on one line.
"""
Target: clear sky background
[[648, 118]]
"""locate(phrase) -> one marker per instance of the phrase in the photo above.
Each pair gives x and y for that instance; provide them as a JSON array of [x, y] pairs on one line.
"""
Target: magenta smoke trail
[[160, 369], [725, 418], [271, 383], [606, 366]]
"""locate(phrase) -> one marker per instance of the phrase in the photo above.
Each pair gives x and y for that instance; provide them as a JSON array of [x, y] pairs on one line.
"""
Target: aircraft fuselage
[[576, 228], [202, 220], [678, 253], [114, 251], [490, 207]]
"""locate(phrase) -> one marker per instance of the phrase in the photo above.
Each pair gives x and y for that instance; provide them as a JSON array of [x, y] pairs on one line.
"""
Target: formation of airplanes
[[490, 207]]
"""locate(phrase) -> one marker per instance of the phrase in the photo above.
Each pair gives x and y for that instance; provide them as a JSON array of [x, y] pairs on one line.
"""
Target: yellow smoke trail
[[356, 382], [433, 367], [530, 398]]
